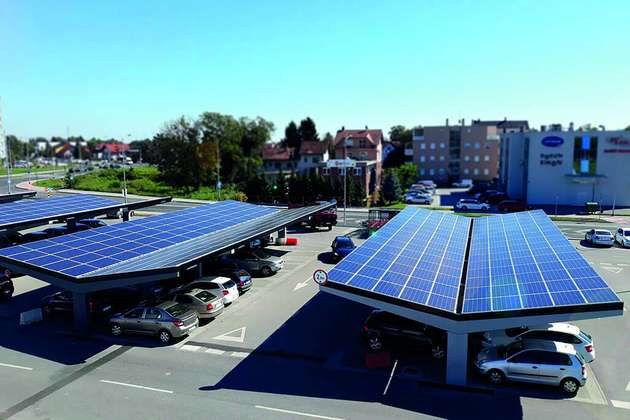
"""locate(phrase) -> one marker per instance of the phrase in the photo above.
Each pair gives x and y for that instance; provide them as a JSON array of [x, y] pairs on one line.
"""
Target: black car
[[478, 188], [383, 329], [92, 223], [34, 236], [6, 287], [496, 197], [61, 303], [8, 239], [229, 269]]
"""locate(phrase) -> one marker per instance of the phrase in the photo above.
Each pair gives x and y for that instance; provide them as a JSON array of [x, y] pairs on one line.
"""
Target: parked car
[[418, 198], [6, 287], [556, 331], [342, 246], [534, 361], [470, 204], [622, 236], [463, 183], [223, 286], [383, 329], [93, 223], [61, 303], [241, 277], [508, 206], [33, 236], [117, 213], [478, 188], [206, 303], [326, 218], [167, 320], [421, 188], [10, 238], [257, 261], [53, 232], [482, 196], [599, 237], [496, 197]]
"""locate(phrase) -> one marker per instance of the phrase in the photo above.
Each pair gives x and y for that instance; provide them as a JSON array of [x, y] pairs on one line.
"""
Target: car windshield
[[602, 232], [626, 233], [344, 241], [260, 254], [176, 310], [229, 284], [205, 296], [512, 349]]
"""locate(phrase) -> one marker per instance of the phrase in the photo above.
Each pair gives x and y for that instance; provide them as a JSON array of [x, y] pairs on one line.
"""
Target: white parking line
[[297, 413], [627, 386], [15, 366], [189, 347], [214, 351], [240, 354], [391, 375], [165, 391], [621, 404]]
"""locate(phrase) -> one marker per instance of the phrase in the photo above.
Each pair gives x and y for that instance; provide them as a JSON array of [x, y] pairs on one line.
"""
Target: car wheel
[[165, 336], [437, 352], [116, 330], [569, 386], [496, 377], [464, 208], [375, 343], [265, 271]]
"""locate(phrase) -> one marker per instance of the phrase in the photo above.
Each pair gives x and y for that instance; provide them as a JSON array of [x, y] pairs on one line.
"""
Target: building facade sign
[[618, 145], [552, 141], [551, 159]]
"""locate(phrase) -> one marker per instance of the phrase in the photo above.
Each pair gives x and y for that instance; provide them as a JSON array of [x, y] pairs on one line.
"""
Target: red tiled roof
[[373, 136], [114, 147], [313, 148], [277, 152]]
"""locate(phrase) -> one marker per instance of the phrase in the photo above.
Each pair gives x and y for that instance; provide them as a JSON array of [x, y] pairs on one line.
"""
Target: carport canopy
[[468, 275]]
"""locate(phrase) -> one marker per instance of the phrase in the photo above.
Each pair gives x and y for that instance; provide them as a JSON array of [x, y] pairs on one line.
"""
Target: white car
[[556, 331], [599, 237], [470, 204], [218, 284], [418, 198], [622, 236], [464, 183]]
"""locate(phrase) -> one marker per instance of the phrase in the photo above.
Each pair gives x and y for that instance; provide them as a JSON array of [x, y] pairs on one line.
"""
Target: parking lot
[[282, 349]]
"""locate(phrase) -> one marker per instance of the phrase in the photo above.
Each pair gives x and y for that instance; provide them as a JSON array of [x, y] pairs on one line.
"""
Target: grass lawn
[[16, 171], [140, 181]]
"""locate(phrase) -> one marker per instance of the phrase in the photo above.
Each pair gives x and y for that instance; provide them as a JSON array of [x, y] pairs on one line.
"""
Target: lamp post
[[345, 175], [124, 166]]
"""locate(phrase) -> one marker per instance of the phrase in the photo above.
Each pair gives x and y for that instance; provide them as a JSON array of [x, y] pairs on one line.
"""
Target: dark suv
[[383, 329], [6, 287]]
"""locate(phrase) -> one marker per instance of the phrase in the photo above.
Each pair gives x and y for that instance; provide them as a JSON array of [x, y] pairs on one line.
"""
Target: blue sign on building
[[552, 141]]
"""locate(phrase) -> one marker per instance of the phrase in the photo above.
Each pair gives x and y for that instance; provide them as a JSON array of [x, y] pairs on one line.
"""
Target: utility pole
[[345, 175], [219, 185]]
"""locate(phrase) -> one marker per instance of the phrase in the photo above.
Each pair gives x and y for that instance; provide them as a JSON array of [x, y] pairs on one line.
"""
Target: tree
[[400, 134], [330, 142], [307, 130], [391, 190], [177, 148], [291, 136], [627, 128], [407, 174]]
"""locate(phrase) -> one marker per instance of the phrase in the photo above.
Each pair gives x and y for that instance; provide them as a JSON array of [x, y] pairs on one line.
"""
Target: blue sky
[[118, 67]]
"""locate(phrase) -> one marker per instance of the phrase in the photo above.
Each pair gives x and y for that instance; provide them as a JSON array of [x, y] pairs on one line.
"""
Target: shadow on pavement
[[317, 353], [327, 258]]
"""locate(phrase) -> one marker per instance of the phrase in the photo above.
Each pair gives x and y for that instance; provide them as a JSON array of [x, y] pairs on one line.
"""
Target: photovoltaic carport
[[146, 250], [467, 275], [6, 198], [22, 214]]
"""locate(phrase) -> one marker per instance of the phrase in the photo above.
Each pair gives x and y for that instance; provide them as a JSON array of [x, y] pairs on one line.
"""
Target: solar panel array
[[31, 210], [522, 260], [417, 256], [84, 252]]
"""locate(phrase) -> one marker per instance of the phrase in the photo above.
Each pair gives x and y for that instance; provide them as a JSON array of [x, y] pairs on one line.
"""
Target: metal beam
[[80, 312], [7, 198]]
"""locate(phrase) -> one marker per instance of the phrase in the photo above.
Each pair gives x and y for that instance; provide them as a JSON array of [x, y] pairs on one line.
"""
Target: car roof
[[193, 292], [343, 238], [164, 305], [548, 345], [603, 231], [213, 279], [558, 327]]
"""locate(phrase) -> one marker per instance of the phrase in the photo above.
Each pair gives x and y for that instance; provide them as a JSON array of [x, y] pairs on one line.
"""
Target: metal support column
[[71, 222], [200, 270], [80, 312], [282, 233], [125, 214], [456, 359]]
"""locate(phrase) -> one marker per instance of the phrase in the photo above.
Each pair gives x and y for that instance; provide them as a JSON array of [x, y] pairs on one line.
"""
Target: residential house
[[112, 151], [365, 146], [278, 159], [312, 155]]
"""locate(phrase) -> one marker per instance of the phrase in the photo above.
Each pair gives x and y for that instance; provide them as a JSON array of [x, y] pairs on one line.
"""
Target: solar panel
[[417, 256], [85, 252], [523, 261], [32, 210]]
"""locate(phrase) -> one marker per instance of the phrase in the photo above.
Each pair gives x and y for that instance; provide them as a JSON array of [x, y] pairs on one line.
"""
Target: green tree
[[407, 174], [307, 130], [627, 128], [291, 135], [400, 134], [177, 148], [391, 190], [330, 142]]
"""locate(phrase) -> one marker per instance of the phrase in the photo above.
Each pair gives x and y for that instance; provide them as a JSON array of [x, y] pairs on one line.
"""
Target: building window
[[477, 145], [432, 145], [422, 171], [342, 171], [442, 145], [476, 158], [486, 171], [486, 158], [362, 144], [363, 155], [305, 160], [422, 158], [467, 145], [315, 159], [441, 171], [358, 171], [432, 158], [422, 146], [466, 158], [325, 171], [466, 171], [431, 171], [349, 142], [476, 171], [441, 158]]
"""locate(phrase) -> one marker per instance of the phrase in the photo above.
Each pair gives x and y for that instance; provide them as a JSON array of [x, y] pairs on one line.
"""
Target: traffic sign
[[320, 276], [341, 163]]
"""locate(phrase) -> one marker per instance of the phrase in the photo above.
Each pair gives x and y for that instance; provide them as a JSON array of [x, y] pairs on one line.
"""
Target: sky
[[113, 68]]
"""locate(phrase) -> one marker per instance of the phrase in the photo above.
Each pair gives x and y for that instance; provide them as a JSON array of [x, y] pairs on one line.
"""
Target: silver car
[[599, 237], [207, 304], [534, 361], [166, 321], [258, 260]]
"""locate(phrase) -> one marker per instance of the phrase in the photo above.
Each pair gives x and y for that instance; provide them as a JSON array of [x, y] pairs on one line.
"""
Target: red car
[[509, 206]]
